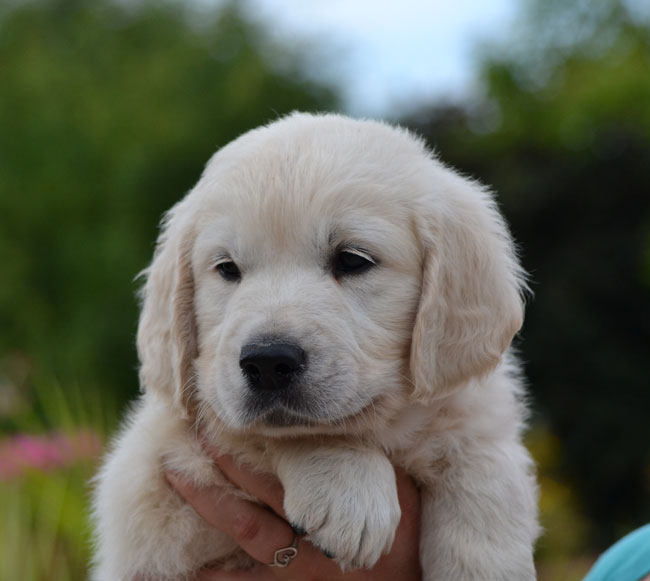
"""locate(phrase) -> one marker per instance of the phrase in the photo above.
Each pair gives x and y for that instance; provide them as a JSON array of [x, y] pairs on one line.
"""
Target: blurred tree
[[569, 153], [108, 111]]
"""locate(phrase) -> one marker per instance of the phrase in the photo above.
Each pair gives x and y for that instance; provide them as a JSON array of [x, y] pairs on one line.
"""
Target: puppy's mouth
[[279, 411], [304, 417], [284, 418]]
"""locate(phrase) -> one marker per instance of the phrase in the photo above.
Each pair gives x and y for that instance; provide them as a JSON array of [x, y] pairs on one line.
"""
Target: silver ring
[[283, 557]]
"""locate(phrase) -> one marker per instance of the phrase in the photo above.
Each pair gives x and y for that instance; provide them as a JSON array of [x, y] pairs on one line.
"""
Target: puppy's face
[[305, 296], [322, 272]]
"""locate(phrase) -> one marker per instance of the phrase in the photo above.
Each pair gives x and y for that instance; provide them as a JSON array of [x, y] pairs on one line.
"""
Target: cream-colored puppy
[[329, 277]]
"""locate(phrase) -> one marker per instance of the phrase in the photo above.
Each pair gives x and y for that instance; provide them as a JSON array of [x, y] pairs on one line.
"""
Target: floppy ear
[[167, 341], [471, 302]]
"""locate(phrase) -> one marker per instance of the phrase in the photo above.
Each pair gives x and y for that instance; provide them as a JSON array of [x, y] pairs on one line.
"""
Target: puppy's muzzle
[[271, 366]]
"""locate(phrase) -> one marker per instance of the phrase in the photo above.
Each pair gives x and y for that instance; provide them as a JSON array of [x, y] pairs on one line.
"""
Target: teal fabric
[[626, 560]]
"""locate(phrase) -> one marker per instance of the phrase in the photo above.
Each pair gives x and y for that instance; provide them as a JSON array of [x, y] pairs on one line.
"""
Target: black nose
[[271, 366]]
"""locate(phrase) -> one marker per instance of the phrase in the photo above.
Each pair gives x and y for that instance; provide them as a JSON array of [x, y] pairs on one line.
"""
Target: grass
[[45, 533], [47, 458]]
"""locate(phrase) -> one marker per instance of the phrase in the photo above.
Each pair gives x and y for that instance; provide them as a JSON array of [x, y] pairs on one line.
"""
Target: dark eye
[[229, 271], [347, 262]]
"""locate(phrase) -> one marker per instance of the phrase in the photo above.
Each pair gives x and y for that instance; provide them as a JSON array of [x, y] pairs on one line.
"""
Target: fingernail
[[217, 455], [173, 478], [210, 448], [177, 481]]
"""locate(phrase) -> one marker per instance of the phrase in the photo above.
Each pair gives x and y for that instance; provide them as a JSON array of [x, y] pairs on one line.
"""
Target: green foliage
[[108, 112], [570, 159]]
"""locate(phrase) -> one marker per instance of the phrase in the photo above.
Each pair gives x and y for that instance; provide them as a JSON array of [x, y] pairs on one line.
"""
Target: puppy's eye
[[352, 262], [229, 271]]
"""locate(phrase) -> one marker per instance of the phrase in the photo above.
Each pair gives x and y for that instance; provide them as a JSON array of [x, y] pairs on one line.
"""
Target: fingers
[[403, 559], [258, 573], [254, 528], [263, 486], [260, 532], [409, 499]]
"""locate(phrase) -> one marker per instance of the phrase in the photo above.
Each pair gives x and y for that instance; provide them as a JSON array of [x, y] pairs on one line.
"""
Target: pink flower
[[23, 452]]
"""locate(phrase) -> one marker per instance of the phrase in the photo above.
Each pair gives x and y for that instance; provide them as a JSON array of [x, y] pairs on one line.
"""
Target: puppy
[[329, 277]]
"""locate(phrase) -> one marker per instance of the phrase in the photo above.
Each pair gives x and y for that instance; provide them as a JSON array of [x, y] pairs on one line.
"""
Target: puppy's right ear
[[167, 342]]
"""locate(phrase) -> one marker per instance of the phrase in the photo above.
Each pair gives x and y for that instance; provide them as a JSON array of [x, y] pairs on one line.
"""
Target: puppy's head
[[322, 272]]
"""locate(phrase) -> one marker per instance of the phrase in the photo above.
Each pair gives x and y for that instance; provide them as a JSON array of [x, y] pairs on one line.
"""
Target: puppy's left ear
[[471, 301]]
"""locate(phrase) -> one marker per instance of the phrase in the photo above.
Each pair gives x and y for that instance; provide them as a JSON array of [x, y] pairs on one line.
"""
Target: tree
[[108, 112]]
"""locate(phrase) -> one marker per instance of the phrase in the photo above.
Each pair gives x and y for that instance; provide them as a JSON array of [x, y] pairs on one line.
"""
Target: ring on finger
[[283, 557]]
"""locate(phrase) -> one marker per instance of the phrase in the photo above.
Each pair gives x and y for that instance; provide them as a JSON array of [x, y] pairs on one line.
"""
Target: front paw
[[347, 504]]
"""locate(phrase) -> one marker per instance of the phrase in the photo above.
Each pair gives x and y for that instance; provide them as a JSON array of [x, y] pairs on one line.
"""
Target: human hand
[[261, 531]]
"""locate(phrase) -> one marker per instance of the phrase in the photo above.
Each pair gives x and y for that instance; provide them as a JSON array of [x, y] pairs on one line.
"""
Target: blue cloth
[[626, 560]]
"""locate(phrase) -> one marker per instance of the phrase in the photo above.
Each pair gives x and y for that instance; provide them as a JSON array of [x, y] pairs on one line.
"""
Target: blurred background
[[110, 108]]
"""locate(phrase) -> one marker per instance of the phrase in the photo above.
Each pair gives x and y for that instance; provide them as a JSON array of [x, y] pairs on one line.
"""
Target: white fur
[[408, 362]]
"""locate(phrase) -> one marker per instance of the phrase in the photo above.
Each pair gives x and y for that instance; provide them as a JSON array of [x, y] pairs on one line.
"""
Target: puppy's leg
[[344, 498], [479, 520], [144, 529]]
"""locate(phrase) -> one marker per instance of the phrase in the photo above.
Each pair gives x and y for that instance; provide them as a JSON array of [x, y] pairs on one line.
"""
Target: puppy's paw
[[347, 503]]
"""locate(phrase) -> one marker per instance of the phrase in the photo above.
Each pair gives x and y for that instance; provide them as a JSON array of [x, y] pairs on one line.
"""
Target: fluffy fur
[[407, 364]]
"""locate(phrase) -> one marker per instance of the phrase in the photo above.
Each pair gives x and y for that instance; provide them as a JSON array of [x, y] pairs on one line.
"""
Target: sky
[[390, 55]]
